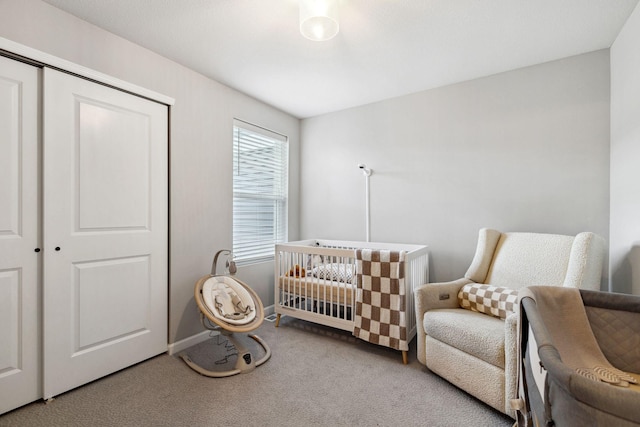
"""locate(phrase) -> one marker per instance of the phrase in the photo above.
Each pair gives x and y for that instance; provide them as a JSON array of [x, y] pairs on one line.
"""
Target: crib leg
[[277, 320], [405, 357]]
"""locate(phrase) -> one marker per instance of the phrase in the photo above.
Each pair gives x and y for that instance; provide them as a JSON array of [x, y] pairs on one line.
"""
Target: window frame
[[269, 184]]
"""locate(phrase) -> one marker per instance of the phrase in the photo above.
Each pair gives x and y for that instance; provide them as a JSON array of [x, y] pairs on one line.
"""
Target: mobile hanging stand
[[367, 174]]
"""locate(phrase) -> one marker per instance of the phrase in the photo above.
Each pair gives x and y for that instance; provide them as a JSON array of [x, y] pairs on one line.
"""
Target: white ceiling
[[385, 48]]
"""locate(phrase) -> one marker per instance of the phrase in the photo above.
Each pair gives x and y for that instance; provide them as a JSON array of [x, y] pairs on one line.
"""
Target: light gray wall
[[200, 151], [625, 158], [525, 150]]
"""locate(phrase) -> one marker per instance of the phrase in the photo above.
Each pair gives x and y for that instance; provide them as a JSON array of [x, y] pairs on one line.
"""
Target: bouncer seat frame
[[215, 318]]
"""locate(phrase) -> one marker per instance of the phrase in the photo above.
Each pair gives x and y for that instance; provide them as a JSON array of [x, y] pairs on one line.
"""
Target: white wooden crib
[[315, 280]]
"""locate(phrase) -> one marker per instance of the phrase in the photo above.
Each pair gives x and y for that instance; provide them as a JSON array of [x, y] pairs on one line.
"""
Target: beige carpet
[[317, 376]]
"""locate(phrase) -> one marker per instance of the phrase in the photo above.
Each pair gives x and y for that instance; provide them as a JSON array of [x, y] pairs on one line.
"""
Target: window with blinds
[[260, 166]]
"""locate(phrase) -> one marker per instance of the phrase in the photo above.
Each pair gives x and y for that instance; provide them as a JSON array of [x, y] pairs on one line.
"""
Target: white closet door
[[105, 230], [19, 292]]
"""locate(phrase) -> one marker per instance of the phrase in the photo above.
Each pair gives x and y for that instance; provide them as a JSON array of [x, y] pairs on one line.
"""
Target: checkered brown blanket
[[380, 298]]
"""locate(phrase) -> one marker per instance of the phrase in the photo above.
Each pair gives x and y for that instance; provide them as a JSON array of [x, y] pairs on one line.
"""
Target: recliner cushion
[[474, 333], [525, 259]]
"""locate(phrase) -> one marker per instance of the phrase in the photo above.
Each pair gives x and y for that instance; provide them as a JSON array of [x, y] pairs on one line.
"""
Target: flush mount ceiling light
[[319, 19]]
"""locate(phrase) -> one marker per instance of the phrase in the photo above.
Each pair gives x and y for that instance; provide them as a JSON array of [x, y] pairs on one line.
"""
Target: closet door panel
[[99, 287], [105, 230], [19, 291], [113, 189]]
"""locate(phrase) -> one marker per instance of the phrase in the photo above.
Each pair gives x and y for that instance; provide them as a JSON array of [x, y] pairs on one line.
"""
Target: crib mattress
[[317, 289]]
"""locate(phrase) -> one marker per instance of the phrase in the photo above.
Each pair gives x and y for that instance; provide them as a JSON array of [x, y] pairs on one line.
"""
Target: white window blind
[[260, 169]]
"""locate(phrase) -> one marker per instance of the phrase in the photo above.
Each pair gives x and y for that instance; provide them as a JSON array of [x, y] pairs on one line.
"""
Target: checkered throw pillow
[[487, 299]]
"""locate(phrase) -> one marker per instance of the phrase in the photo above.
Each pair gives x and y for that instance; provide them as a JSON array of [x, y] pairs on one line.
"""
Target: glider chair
[[467, 329]]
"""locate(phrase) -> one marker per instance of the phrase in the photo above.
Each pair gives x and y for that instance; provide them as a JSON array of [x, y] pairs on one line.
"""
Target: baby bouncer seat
[[228, 305]]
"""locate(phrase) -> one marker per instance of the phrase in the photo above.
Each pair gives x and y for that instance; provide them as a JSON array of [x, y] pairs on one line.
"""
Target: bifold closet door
[[105, 171], [19, 292]]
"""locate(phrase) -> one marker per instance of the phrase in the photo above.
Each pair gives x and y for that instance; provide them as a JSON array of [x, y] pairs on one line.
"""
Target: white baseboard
[[184, 344], [269, 310]]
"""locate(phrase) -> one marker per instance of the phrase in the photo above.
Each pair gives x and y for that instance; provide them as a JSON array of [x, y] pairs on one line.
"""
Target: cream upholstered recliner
[[475, 351]]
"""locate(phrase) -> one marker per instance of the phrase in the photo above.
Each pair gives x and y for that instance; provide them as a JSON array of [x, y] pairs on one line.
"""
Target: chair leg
[[277, 320], [405, 358]]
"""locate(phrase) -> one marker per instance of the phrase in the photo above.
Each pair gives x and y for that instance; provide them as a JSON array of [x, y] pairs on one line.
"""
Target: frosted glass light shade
[[319, 19]]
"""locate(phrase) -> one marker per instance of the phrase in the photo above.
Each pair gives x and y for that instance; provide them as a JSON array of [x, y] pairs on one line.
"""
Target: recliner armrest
[[429, 297], [438, 295], [511, 361]]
